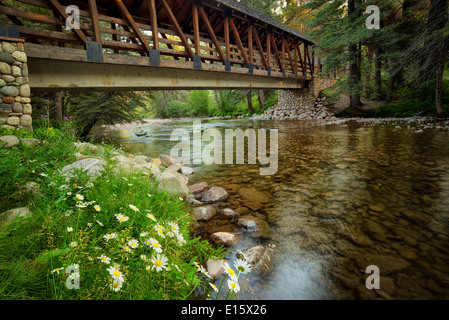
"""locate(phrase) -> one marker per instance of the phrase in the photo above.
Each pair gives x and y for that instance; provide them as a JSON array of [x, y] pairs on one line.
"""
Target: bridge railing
[[194, 34]]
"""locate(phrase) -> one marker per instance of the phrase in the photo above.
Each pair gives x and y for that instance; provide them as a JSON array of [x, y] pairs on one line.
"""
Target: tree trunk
[[261, 100], [353, 64], [368, 70], [217, 100], [439, 89], [390, 88], [86, 129], [58, 106], [378, 74], [250, 102]]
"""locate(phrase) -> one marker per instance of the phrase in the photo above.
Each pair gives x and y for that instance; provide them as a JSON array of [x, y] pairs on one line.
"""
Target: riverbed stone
[[252, 224], [224, 238], [258, 257], [204, 213], [166, 160], [198, 187], [215, 267], [173, 168], [215, 194], [173, 182], [253, 199], [229, 213], [186, 170], [386, 263]]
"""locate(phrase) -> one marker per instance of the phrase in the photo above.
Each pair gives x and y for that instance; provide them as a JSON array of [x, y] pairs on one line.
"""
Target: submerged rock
[[225, 238], [198, 187], [204, 213], [257, 257], [215, 194]]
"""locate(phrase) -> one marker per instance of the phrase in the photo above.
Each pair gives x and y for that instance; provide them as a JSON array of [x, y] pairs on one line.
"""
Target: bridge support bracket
[[196, 62], [250, 68], [269, 71], [94, 51], [227, 65], [283, 73], [155, 58]]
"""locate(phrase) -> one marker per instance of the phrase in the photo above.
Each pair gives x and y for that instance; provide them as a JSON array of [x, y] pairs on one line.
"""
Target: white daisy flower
[[227, 268], [134, 208], [149, 215], [242, 266], [126, 248], [159, 262], [133, 243], [116, 274], [149, 195], [97, 208], [110, 236], [160, 230], [174, 227], [104, 259], [143, 234], [69, 193], [69, 229], [122, 218], [155, 245], [233, 285], [181, 239], [116, 285], [79, 197], [213, 286], [73, 244], [56, 270], [100, 223]]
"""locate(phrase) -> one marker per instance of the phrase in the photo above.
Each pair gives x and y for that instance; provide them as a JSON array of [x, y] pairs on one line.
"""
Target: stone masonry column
[[15, 107]]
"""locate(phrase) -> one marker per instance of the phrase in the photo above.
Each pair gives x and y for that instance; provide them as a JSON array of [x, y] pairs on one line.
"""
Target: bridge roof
[[259, 16], [140, 9]]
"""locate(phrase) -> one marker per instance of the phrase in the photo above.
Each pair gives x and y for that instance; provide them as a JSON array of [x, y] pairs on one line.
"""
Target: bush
[[199, 102]]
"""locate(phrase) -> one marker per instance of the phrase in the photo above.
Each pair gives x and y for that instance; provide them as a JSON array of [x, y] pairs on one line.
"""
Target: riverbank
[[91, 217]]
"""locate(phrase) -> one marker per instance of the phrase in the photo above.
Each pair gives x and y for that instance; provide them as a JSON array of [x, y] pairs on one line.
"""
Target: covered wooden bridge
[[155, 44]]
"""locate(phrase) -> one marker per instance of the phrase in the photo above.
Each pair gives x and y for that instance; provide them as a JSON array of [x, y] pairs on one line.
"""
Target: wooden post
[[283, 55], [239, 41], [154, 28], [95, 22], [250, 44], [269, 52]]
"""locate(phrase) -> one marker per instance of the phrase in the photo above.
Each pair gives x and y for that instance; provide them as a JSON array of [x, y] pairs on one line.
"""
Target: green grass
[[33, 247]]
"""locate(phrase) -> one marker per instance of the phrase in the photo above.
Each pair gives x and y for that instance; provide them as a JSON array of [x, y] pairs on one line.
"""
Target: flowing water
[[346, 196]]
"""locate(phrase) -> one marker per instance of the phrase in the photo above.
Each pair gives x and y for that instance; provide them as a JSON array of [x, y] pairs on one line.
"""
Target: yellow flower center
[[122, 219], [115, 285], [158, 263], [156, 245], [233, 285], [103, 258], [174, 228], [231, 272], [116, 273]]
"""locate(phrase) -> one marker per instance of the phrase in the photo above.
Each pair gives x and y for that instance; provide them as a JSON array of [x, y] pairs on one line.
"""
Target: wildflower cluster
[[123, 248]]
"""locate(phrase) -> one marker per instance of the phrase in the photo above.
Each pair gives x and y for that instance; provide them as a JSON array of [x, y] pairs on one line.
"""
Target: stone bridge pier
[[297, 104], [15, 107]]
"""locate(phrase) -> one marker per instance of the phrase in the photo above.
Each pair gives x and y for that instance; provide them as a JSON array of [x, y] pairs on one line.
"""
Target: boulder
[[186, 170], [173, 168], [7, 216], [94, 167], [215, 194], [229, 213], [224, 238], [198, 187], [175, 183], [204, 213], [9, 141], [258, 257], [166, 160], [30, 142], [190, 199], [215, 267]]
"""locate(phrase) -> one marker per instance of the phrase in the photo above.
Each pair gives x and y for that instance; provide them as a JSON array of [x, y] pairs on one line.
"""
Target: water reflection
[[345, 196]]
